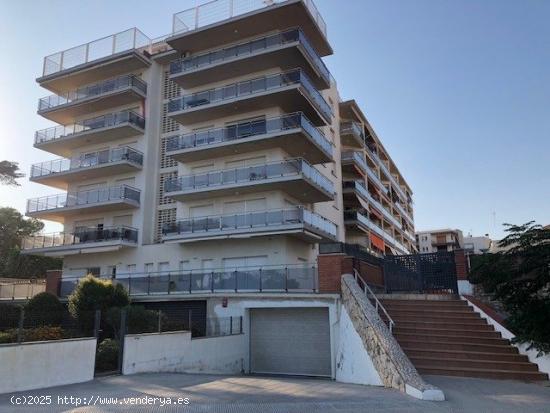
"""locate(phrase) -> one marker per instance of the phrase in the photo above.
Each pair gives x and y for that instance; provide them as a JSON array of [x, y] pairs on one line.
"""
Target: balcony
[[62, 140], [60, 172], [356, 220], [298, 222], [295, 177], [107, 57], [83, 241], [373, 177], [354, 163], [391, 178], [105, 95], [287, 50], [292, 91], [268, 279], [351, 134], [57, 207], [294, 133], [201, 28]]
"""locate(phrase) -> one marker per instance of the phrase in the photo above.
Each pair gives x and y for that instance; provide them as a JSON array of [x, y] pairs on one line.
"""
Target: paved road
[[288, 395]]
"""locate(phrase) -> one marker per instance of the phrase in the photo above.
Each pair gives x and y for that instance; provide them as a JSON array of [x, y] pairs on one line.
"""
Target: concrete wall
[[177, 352], [43, 364]]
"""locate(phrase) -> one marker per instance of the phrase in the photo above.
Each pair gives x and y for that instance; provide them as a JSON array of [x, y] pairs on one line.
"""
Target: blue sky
[[458, 91]]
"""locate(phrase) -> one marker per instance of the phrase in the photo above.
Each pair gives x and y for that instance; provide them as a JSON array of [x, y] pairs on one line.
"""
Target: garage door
[[290, 341]]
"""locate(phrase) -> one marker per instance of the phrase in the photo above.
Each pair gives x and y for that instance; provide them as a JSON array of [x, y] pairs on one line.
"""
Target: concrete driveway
[[276, 394]]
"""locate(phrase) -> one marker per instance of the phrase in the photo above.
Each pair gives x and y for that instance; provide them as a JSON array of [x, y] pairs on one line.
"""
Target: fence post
[[121, 338], [190, 322], [159, 318], [241, 325], [97, 321], [231, 325], [21, 323], [13, 292]]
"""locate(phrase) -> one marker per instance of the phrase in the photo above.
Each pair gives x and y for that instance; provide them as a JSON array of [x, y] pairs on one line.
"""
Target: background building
[[477, 245], [439, 240]]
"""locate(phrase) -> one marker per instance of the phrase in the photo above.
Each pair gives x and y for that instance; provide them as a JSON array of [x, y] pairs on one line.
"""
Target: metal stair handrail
[[367, 290]]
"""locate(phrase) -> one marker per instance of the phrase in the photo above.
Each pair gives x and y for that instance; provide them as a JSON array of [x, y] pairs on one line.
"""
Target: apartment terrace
[[85, 240], [354, 162], [351, 134], [62, 140], [291, 90], [57, 207], [297, 221], [287, 50], [107, 94], [294, 133], [295, 177], [60, 172], [200, 28]]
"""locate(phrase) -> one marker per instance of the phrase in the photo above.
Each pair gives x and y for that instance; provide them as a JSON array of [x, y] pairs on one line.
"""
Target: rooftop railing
[[94, 90], [107, 46], [250, 47], [99, 122], [219, 10], [245, 130], [83, 198], [252, 174], [251, 87], [87, 160], [253, 221], [81, 236]]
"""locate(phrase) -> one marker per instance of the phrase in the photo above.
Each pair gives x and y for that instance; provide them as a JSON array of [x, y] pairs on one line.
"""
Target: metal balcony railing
[[266, 278], [99, 122], [356, 157], [253, 221], [83, 198], [250, 47], [107, 46], [352, 128], [94, 90], [246, 130], [219, 10], [252, 174], [87, 160], [251, 87], [80, 237]]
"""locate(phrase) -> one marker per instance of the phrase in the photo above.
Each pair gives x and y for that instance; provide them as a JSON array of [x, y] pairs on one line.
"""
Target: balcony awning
[[376, 213], [377, 242]]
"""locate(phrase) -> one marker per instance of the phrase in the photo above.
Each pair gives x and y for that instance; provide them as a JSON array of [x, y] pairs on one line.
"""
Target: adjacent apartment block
[[439, 240]]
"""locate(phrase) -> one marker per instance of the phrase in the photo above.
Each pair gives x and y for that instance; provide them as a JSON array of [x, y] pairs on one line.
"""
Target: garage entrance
[[292, 341]]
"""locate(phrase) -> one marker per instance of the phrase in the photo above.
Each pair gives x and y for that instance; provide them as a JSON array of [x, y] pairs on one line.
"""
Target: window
[[148, 267], [163, 266], [131, 268]]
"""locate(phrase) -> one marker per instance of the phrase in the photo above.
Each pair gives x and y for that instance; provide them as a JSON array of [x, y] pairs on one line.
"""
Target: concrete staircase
[[447, 337]]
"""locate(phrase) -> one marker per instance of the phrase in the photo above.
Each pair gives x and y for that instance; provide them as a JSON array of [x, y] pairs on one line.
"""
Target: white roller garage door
[[290, 341]]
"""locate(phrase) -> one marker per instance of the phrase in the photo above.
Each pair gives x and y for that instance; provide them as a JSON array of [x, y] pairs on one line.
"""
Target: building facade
[[439, 240], [477, 245]]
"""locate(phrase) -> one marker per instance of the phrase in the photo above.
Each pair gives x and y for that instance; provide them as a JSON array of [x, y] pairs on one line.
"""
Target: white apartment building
[[439, 240]]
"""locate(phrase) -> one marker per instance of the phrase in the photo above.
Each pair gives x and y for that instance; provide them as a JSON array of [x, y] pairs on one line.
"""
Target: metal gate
[[422, 273]]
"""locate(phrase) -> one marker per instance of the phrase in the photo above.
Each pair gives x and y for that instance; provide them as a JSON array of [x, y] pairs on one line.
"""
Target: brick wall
[[331, 267], [372, 274], [53, 281], [461, 264]]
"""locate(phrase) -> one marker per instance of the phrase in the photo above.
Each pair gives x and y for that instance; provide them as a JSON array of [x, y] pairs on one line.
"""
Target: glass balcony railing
[[356, 157], [387, 172], [94, 90], [267, 43], [248, 129], [250, 88], [83, 198], [374, 177], [354, 129], [364, 192], [252, 174], [80, 237], [87, 160], [99, 122], [253, 222]]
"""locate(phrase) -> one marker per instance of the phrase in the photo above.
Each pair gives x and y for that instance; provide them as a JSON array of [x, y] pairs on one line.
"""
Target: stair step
[[448, 330], [473, 364], [428, 313], [441, 318], [413, 352], [477, 326], [425, 304], [443, 338], [454, 346], [483, 373]]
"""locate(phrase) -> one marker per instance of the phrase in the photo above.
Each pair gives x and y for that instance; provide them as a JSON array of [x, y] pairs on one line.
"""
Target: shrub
[[9, 316], [44, 309], [107, 355], [44, 333], [8, 336]]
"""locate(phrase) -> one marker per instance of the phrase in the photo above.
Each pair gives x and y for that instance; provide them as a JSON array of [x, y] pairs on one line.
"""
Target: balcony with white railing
[[63, 140], [107, 94], [202, 27], [294, 133], [295, 177], [351, 134], [287, 50], [297, 222], [87, 240], [60, 172], [292, 91], [106, 57], [57, 207]]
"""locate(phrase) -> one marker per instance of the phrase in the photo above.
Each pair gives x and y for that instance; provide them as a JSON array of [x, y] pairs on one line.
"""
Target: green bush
[[44, 309], [8, 336], [107, 355], [43, 333], [9, 316]]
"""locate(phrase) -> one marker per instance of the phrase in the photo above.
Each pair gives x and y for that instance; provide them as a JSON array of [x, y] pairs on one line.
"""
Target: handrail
[[377, 303]]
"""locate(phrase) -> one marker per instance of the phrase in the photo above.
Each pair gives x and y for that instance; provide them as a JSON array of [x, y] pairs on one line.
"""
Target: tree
[[519, 277], [9, 172], [13, 228]]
